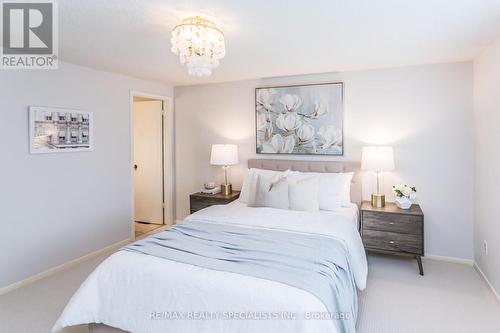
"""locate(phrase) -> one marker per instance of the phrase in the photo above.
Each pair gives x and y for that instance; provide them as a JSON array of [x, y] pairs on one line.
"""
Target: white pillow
[[303, 194], [245, 188], [270, 194], [334, 188], [248, 187]]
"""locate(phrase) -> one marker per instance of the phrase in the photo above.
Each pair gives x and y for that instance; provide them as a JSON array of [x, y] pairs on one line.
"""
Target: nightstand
[[394, 231], [200, 200]]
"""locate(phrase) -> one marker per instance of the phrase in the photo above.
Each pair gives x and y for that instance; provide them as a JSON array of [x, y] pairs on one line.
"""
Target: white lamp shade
[[378, 159], [224, 154]]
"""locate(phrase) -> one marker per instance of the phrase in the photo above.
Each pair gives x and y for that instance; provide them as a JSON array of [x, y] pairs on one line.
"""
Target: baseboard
[[455, 260], [480, 272], [56, 269]]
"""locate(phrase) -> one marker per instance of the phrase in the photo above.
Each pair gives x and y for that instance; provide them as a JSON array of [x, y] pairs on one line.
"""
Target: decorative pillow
[[245, 188], [334, 188], [249, 182], [270, 194], [303, 194]]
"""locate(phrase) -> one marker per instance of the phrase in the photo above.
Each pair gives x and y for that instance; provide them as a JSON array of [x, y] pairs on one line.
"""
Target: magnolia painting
[[304, 119]]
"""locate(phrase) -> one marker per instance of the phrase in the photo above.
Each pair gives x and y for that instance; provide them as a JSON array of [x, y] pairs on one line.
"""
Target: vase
[[403, 203]]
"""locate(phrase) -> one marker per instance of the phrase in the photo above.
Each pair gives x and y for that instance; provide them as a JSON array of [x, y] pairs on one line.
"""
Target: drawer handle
[[391, 242], [391, 223]]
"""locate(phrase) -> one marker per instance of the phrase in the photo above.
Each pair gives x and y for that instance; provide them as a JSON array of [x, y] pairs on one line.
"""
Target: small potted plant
[[404, 195]]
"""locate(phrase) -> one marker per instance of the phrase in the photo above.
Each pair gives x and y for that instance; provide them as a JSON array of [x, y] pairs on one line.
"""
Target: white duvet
[[146, 294]]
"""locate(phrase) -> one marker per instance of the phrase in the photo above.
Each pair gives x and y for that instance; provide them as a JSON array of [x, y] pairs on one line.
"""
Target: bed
[[133, 292]]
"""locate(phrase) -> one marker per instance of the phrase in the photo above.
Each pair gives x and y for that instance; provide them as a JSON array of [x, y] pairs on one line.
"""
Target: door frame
[[168, 157]]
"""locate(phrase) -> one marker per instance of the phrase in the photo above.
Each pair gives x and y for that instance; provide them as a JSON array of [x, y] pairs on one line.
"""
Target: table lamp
[[224, 155], [378, 159]]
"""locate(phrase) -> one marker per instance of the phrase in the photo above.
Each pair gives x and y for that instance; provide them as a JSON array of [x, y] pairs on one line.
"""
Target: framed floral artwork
[[302, 119]]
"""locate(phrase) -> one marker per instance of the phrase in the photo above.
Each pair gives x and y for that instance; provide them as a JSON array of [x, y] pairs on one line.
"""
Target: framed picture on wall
[[300, 119], [55, 130]]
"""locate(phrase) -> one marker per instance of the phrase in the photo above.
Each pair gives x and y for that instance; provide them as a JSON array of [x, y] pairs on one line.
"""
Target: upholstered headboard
[[315, 166]]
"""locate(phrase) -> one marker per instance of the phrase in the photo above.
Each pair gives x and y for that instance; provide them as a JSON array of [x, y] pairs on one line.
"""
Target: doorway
[[151, 206]]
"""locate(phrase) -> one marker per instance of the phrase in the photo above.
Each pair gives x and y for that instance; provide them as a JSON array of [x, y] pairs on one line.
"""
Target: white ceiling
[[276, 37]]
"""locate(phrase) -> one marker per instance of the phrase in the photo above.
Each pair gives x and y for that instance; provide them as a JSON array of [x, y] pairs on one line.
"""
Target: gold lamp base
[[378, 200], [226, 189]]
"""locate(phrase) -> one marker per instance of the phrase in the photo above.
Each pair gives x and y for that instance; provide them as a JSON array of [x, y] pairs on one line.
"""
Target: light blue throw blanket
[[313, 263]]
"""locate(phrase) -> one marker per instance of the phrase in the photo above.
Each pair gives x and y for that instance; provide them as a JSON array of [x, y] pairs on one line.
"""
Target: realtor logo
[[29, 35]]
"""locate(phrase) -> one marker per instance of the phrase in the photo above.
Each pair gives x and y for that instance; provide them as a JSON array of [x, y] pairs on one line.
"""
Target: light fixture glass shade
[[224, 154], [378, 158], [199, 44]]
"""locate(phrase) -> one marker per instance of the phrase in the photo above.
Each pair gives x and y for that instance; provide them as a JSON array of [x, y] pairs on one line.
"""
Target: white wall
[[425, 112], [57, 207], [487, 161]]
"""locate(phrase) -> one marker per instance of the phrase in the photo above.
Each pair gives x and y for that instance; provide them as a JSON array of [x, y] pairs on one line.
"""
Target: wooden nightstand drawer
[[392, 241], [393, 230], [198, 201], [407, 224], [197, 204]]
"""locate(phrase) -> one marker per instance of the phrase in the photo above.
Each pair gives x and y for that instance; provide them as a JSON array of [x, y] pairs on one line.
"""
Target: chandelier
[[199, 44]]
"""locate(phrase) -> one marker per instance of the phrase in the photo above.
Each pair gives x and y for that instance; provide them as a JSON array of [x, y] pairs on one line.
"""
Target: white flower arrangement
[[405, 191]]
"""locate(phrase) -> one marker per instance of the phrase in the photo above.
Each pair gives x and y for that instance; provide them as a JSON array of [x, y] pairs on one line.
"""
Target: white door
[[148, 161]]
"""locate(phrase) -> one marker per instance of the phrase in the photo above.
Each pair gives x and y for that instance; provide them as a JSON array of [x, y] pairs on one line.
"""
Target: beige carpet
[[449, 298]]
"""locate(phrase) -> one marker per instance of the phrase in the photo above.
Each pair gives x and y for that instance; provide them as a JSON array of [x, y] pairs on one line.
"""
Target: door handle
[[135, 166]]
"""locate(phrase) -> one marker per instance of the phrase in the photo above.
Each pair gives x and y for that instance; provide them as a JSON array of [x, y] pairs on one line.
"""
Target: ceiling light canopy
[[199, 44]]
